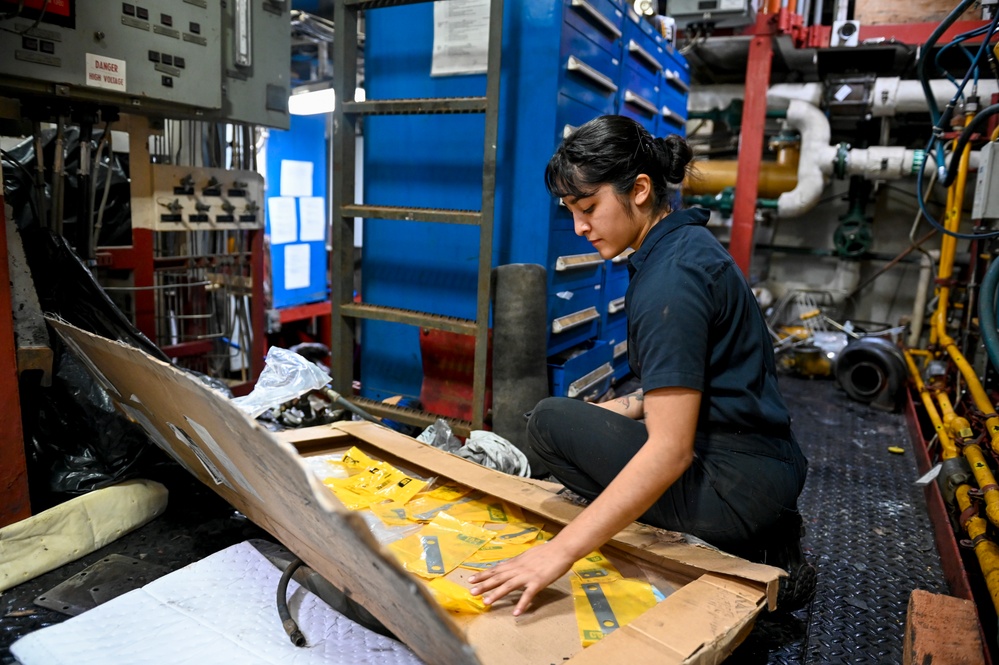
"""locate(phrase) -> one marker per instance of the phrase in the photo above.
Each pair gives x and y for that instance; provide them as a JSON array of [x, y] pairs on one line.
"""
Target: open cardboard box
[[712, 599]]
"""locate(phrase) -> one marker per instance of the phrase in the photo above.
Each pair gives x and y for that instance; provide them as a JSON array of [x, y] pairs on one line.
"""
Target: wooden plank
[[942, 630], [16, 504]]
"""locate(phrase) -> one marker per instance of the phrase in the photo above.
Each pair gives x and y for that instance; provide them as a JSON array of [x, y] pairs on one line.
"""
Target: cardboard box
[[712, 598]]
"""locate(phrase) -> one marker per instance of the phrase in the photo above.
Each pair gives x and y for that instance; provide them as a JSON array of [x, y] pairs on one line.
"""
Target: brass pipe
[[986, 481], [777, 177], [986, 550], [958, 426]]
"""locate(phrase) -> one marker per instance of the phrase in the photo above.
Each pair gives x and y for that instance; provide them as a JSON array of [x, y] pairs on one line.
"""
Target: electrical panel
[[256, 65], [986, 203], [719, 13], [188, 198], [177, 59]]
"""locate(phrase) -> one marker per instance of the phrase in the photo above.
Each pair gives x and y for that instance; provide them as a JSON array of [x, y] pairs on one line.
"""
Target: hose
[[353, 408], [289, 625], [987, 313]]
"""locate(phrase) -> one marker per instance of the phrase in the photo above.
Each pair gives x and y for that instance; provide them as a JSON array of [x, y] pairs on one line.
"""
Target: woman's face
[[609, 221]]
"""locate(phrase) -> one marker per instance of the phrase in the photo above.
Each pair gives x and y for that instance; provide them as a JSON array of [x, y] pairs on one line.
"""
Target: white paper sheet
[[461, 37], [312, 217], [218, 611], [296, 266], [296, 178], [282, 215]]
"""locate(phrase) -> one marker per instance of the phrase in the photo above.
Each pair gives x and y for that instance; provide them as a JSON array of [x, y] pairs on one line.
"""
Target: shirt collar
[[674, 220]]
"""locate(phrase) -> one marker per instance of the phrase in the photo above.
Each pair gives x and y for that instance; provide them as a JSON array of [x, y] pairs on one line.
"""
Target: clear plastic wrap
[[286, 376]]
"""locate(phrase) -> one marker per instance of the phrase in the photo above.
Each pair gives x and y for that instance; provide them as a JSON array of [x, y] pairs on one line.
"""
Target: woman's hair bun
[[677, 155]]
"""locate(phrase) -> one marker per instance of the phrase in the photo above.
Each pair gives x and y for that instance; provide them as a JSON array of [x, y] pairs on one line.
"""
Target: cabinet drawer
[[599, 20], [616, 337], [583, 372], [573, 316], [570, 114], [589, 74]]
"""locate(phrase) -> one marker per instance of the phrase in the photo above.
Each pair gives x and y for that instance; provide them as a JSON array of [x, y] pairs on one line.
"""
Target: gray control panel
[[209, 59]]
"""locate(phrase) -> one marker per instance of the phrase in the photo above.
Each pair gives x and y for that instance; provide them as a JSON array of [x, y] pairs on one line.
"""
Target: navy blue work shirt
[[693, 322]]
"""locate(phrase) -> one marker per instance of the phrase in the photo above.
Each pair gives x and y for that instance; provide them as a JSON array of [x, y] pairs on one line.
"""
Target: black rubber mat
[[868, 534]]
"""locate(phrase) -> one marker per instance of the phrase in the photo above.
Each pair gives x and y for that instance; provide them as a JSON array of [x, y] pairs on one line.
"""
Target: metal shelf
[[473, 217], [429, 105], [409, 317]]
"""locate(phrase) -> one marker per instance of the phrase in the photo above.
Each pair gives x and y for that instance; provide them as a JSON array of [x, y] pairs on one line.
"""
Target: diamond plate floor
[[868, 534]]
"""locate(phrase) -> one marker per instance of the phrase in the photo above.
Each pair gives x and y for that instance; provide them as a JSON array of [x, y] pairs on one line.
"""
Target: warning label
[[104, 72]]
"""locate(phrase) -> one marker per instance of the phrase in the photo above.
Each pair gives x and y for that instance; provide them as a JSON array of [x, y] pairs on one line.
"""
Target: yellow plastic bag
[[519, 532], [603, 607], [440, 546], [493, 553], [392, 514], [427, 506], [595, 566], [375, 483], [487, 509], [455, 598]]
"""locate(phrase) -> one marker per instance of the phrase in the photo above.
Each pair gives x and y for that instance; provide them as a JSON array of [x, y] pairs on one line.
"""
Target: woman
[[715, 456]]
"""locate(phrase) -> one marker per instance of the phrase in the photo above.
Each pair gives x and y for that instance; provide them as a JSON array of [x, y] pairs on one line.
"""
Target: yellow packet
[[493, 553], [348, 497], [603, 607], [519, 532], [382, 481], [449, 492], [488, 509], [440, 546], [455, 598], [545, 536], [392, 514], [595, 566], [345, 470], [427, 506]]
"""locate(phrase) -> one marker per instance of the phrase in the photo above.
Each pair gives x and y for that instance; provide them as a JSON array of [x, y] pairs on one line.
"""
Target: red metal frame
[[916, 33], [754, 115], [16, 504]]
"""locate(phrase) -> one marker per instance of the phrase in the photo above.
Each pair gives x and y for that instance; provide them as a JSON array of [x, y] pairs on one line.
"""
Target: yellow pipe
[[714, 175], [986, 550], [986, 481], [947, 447], [959, 427]]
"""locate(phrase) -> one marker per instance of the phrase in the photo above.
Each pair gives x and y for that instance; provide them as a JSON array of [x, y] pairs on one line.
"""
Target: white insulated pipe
[[813, 126], [922, 294]]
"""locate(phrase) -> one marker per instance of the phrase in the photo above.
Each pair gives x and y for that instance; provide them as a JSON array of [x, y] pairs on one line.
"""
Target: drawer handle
[[636, 49], [574, 261], [672, 116], [584, 7], [584, 383], [673, 78], [616, 305], [568, 129], [639, 101], [576, 65], [623, 256], [569, 321], [620, 349]]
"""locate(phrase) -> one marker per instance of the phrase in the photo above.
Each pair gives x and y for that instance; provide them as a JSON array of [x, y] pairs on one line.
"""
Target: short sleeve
[[669, 314]]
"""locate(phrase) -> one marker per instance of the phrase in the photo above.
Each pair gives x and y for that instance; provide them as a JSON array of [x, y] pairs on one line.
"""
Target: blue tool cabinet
[[563, 64]]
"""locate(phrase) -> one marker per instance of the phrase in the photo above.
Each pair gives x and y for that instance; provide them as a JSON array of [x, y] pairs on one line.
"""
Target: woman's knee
[[547, 418]]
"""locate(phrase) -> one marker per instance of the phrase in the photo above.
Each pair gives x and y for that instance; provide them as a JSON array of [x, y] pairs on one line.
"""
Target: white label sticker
[[843, 93], [104, 72]]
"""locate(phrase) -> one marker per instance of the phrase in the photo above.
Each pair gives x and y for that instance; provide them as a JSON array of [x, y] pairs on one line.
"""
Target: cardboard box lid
[[264, 477]]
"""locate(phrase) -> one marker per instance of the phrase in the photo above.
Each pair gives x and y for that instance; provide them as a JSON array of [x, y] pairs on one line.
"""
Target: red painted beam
[[16, 504], [310, 310], [754, 114]]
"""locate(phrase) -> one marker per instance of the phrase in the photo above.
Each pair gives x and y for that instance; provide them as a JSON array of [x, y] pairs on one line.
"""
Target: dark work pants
[[739, 494]]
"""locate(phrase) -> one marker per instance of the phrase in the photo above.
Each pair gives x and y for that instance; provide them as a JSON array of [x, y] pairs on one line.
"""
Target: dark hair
[[614, 150]]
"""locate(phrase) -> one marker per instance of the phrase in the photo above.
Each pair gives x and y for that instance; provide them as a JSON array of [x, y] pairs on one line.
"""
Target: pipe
[[813, 126], [987, 313], [986, 550], [958, 426], [947, 447], [922, 292], [986, 481], [777, 177]]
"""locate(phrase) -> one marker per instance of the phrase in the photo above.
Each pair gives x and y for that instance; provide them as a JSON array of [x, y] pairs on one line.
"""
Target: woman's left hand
[[531, 571]]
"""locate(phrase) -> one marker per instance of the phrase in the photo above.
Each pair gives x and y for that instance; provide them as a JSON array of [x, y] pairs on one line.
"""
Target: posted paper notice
[[296, 266], [461, 37], [282, 217], [296, 178], [312, 217]]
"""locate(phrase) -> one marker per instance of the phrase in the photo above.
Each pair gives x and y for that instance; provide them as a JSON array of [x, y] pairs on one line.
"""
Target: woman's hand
[[531, 571]]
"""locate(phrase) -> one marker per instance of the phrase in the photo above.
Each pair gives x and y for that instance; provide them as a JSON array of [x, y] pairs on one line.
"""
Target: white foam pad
[[220, 610]]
